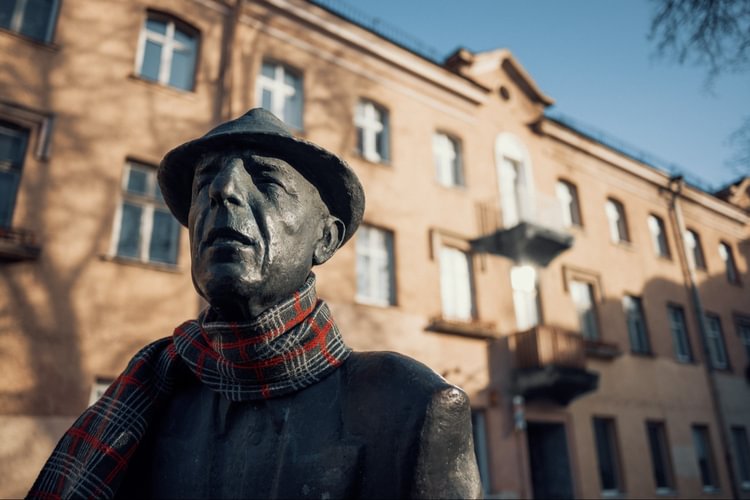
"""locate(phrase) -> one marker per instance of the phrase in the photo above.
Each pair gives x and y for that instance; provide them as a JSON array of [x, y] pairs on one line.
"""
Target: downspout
[[676, 184], [222, 104]]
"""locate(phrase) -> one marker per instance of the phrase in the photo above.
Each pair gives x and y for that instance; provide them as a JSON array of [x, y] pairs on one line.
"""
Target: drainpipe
[[222, 107], [676, 184]]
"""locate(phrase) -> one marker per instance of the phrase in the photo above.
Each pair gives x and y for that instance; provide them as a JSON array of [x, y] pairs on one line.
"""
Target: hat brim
[[337, 184]]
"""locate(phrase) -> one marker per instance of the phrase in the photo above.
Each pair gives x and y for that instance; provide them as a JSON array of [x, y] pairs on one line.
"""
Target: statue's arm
[[446, 464]]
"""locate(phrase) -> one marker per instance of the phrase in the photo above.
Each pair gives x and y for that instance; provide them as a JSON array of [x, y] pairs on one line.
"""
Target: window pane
[[715, 342], [6, 12], [525, 300], [480, 448], [742, 449], [294, 103], [128, 243], [660, 460], [606, 452], [383, 138], [8, 189], [636, 324], [36, 18], [583, 298], [151, 61], [375, 281], [679, 333], [183, 66], [455, 284], [184, 40], [704, 455], [137, 181], [164, 238], [156, 26]]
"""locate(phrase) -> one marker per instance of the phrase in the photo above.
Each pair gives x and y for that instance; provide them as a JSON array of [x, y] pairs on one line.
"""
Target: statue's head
[[261, 206]]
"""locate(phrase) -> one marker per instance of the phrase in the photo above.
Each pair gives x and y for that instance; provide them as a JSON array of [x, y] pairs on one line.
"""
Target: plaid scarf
[[288, 347]]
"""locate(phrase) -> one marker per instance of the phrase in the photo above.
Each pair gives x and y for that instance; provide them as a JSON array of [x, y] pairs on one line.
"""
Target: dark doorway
[[548, 460]]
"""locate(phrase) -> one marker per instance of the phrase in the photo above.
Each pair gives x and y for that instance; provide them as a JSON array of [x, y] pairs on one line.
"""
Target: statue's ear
[[332, 238]]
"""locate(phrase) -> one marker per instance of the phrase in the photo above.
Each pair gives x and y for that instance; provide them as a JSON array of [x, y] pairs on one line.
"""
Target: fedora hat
[[260, 129]]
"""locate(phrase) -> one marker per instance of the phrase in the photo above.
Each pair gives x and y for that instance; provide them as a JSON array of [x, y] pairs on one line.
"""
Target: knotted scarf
[[287, 348]]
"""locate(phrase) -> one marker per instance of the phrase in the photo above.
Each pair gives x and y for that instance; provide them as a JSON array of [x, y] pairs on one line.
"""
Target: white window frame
[[679, 333], [377, 257], [576, 284], [658, 231], [515, 180], [281, 91], [148, 203], [371, 119], [524, 283], [730, 265], [446, 150], [567, 195], [169, 45], [456, 284], [639, 339], [19, 13], [694, 247], [617, 221]]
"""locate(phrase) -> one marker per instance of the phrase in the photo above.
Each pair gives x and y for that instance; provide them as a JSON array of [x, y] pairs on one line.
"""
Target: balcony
[[534, 234], [550, 363], [18, 245]]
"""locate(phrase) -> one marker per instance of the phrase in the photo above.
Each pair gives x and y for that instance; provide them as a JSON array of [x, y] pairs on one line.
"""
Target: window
[[661, 462], [99, 388], [705, 456], [33, 18], [523, 280], [375, 276], [447, 152], [678, 326], [715, 341], [725, 252], [513, 191], [742, 451], [618, 225], [743, 331], [13, 142], [479, 429], [167, 52], [456, 284], [658, 236], [371, 121], [608, 455], [637, 331], [567, 194], [694, 249], [583, 298], [280, 91], [145, 229]]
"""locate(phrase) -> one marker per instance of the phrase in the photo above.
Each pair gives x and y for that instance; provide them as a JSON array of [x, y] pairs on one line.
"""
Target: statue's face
[[254, 223]]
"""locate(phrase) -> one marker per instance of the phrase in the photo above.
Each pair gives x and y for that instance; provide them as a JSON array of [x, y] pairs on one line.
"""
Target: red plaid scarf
[[289, 347]]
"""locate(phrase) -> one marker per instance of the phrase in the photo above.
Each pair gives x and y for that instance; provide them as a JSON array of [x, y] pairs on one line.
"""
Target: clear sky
[[593, 57]]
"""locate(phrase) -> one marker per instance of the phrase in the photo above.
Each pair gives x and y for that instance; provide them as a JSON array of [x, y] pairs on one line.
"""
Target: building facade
[[595, 309]]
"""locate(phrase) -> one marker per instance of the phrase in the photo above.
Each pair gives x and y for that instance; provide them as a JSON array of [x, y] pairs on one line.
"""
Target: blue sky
[[594, 58]]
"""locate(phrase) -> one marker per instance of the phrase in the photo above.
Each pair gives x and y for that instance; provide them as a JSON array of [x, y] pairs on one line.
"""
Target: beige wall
[[77, 313]]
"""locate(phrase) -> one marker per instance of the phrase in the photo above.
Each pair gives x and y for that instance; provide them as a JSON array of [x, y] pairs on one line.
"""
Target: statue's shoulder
[[405, 377]]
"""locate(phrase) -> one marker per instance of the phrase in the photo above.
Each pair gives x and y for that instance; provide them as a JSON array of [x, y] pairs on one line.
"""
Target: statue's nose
[[229, 185]]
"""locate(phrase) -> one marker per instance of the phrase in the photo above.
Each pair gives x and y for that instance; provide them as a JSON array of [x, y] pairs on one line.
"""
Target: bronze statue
[[260, 397]]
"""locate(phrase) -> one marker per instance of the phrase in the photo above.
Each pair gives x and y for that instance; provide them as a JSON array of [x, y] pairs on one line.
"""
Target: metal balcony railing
[[18, 244]]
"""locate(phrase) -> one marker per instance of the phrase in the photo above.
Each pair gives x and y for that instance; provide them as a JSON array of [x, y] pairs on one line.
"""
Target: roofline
[[621, 159], [509, 58]]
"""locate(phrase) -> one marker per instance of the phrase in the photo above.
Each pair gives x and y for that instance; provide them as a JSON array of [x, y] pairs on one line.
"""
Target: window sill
[[625, 245], [665, 492], [364, 301], [162, 86], [643, 354], [51, 46], [613, 494], [382, 163], [155, 266], [600, 349], [713, 490], [472, 328]]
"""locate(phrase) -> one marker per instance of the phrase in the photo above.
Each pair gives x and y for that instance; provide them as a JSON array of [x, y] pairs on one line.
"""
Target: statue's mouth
[[226, 236]]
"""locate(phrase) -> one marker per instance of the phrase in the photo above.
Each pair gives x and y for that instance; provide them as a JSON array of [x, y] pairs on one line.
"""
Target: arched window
[[618, 223], [167, 51], [448, 163], [567, 195]]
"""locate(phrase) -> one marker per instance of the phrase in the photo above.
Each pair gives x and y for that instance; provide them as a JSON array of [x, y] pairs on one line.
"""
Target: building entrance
[[548, 460]]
